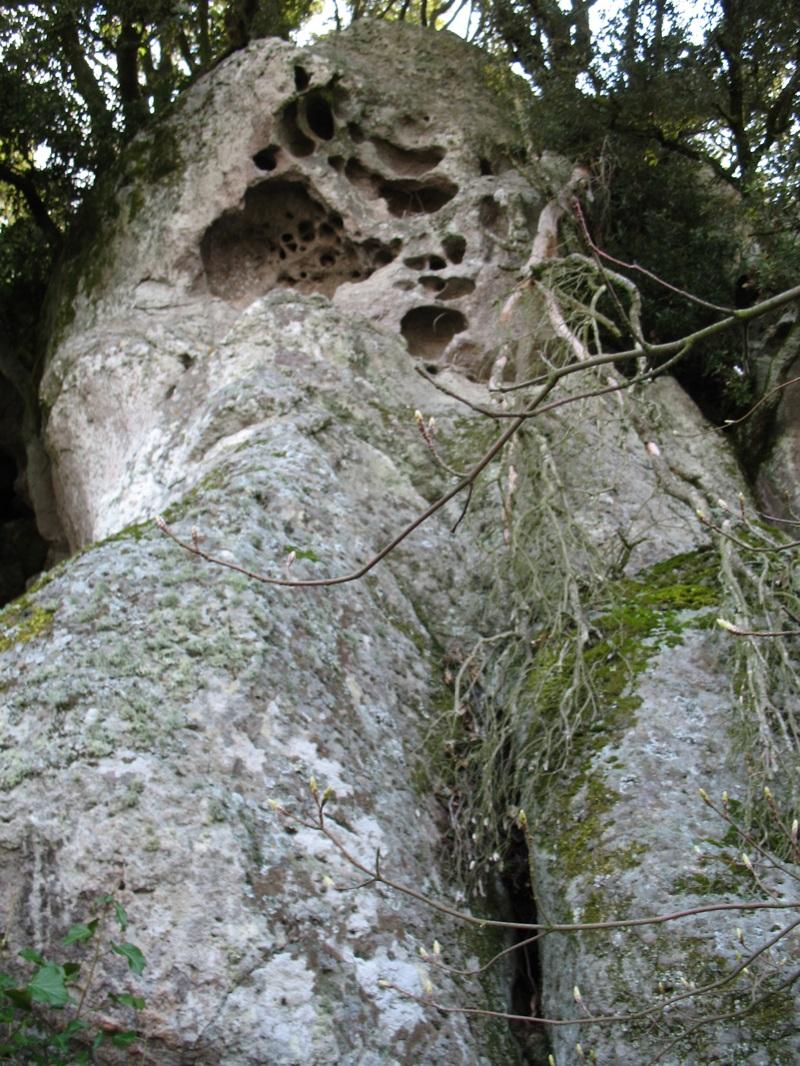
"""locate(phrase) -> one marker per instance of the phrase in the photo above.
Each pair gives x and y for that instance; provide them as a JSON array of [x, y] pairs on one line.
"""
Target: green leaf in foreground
[[124, 1039], [136, 959], [47, 986], [20, 997], [80, 932], [128, 1000], [32, 956]]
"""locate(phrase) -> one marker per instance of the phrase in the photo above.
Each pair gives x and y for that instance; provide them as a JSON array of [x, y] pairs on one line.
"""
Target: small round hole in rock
[[267, 158]]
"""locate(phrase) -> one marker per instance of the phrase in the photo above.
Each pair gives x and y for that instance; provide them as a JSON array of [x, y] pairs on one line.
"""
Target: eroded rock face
[[154, 708], [236, 351], [392, 194]]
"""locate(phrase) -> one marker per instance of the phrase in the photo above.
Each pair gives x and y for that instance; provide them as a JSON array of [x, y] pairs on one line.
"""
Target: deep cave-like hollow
[[302, 79], [319, 115], [428, 330], [284, 237]]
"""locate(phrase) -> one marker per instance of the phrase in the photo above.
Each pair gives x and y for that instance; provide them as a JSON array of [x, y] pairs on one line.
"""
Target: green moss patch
[[582, 698], [21, 622]]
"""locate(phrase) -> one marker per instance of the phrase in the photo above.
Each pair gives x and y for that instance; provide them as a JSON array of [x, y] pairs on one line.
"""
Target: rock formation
[[235, 348]]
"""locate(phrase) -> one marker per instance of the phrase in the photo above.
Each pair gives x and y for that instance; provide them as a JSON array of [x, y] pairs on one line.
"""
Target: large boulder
[[234, 348]]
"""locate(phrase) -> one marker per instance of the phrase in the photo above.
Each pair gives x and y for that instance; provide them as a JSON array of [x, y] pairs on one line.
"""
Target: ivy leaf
[[20, 997], [128, 1000], [80, 932], [124, 1039], [32, 956], [136, 960], [47, 986]]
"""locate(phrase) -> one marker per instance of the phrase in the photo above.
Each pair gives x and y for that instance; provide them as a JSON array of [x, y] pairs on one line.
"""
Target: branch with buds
[[772, 982]]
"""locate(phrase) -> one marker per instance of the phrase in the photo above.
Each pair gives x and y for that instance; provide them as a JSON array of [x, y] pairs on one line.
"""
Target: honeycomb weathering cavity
[[410, 162], [428, 330], [403, 196], [308, 119], [407, 196], [447, 288], [284, 237]]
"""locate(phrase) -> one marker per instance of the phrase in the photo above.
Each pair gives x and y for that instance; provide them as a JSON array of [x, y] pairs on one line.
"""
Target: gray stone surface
[[214, 358]]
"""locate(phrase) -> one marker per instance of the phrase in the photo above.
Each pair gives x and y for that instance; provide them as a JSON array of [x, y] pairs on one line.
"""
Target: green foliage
[[30, 1029], [660, 210], [688, 125]]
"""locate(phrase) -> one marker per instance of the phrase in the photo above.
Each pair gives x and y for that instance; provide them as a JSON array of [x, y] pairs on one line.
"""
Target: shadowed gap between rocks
[[23, 550], [518, 904]]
